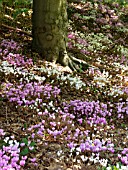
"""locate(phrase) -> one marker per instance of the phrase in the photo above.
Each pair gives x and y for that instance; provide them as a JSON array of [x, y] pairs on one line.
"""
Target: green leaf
[[25, 125], [32, 144], [1, 98], [25, 140], [24, 151], [115, 168], [3, 143], [119, 165], [20, 11]]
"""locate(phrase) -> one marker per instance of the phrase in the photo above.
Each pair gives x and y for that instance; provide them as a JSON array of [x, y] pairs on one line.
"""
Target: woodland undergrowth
[[52, 119]]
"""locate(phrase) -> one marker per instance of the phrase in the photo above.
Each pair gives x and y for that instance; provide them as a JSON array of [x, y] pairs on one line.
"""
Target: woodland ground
[[52, 119]]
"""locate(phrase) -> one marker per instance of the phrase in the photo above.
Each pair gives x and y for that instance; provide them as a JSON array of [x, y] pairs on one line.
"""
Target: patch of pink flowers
[[18, 60], [26, 93], [124, 156], [10, 158]]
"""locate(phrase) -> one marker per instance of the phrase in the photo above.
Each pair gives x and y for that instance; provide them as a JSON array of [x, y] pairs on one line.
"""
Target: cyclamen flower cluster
[[8, 46], [10, 156], [74, 81], [53, 127], [95, 146], [13, 59], [125, 90], [95, 112], [10, 153], [18, 60], [26, 94], [122, 108], [124, 156], [75, 39]]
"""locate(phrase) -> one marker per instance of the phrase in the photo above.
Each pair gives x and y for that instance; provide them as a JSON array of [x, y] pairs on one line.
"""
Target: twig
[[11, 18], [16, 29]]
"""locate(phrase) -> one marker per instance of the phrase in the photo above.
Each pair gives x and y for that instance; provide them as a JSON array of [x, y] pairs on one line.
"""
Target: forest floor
[[51, 119]]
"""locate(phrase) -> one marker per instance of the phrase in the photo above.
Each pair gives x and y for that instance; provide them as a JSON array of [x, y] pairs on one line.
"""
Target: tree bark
[[49, 29], [49, 32]]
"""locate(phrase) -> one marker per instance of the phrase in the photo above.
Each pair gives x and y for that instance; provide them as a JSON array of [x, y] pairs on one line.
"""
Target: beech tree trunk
[[49, 30]]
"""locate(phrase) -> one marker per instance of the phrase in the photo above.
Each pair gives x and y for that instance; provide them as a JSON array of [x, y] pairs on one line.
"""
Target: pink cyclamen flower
[[71, 36], [33, 160], [2, 133], [22, 162]]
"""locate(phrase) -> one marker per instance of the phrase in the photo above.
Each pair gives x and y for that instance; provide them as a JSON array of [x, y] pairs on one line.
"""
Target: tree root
[[74, 64]]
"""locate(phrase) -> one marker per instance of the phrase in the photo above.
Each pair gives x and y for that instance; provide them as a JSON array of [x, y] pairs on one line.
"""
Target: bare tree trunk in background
[[50, 29]]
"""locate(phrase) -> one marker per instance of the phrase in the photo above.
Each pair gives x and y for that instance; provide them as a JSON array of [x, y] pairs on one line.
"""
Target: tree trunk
[[49, 29]]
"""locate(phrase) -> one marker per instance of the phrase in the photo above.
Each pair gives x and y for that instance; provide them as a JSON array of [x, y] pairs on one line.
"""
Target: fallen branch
[[17, 30]]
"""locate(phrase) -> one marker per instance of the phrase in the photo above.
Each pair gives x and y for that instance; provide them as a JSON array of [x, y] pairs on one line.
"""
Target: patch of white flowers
[[11, 142], [60, 76], [102, 79], [6, 68], [122, 67], [116, 91]]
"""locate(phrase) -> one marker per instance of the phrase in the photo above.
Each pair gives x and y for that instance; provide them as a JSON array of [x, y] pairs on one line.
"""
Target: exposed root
[[73, 63]]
